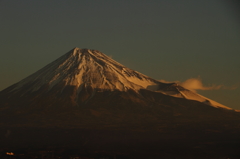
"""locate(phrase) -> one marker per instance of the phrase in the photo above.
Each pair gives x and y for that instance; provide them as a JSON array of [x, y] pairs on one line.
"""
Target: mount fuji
[[88, 91], [91, 69]]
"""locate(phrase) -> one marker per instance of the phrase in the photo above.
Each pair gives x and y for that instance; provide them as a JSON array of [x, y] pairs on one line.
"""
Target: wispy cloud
[[195, 84]]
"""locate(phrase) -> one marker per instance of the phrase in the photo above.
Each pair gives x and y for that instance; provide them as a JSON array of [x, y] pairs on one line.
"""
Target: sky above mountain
[[195, 43]]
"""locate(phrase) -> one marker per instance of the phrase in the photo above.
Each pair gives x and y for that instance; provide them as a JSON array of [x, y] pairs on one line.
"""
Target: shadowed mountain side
[[97, 108], [137, 125]]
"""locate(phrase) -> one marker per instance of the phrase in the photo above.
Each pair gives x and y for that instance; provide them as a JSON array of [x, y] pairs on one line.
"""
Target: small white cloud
[[195, 84]]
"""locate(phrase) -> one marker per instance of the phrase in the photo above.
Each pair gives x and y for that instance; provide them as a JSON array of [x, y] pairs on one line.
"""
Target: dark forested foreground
[[195, 140]]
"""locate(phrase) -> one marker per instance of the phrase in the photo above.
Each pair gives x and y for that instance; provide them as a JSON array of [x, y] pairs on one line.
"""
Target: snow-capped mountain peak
[[85, 68], [88, 68]]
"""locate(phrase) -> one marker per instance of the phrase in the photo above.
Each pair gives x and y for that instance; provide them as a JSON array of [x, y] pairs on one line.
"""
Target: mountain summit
[[87, 68]]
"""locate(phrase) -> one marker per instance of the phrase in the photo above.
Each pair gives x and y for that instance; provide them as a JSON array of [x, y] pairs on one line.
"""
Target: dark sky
[[168, 40]]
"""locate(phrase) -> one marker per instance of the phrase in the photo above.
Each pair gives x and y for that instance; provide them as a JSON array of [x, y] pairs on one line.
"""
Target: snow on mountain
[[181, 92], [89, 68], [84, 68]]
